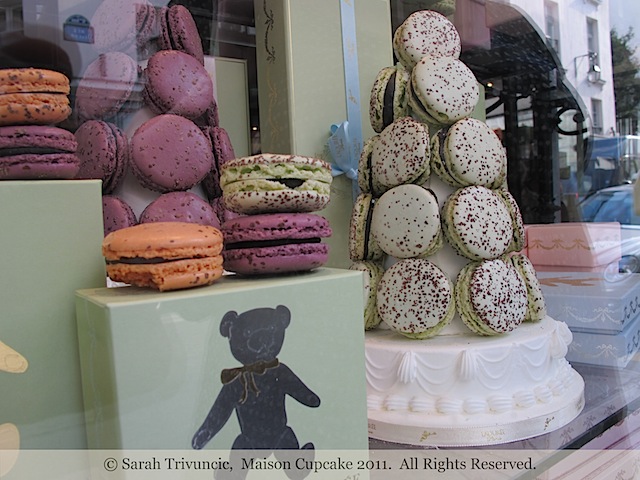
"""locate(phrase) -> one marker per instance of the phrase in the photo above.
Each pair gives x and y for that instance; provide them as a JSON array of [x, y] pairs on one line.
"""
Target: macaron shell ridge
[[536, 305], [415, 298]]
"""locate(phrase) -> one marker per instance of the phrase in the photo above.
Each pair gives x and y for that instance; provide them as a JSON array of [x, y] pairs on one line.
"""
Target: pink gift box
[[580, 245]]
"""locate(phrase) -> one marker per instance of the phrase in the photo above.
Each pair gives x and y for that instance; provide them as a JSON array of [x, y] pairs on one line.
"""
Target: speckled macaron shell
[[477, 223], [389, 96], [103, 150], [406, 222], [222, 152], [37, 152], [444, 89], [491, 297], [536, 305], [275, 243], [365, 178], [116, 214], [362, 244], [106, 85], [469, 153], [519, 236], [425, 32], [415, 298], [180, 207], [180, 32], [372, 273], [177, 83], [170, 153], [33, 96], [401, 154], [269, 183]]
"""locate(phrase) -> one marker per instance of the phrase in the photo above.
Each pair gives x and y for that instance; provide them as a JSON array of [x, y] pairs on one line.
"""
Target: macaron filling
[[387, 104]]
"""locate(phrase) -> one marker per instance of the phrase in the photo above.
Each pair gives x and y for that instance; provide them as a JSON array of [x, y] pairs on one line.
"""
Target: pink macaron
[[116, 214], [170, 153], [177, 83], [178, 31], [180, 207], [275, 243]]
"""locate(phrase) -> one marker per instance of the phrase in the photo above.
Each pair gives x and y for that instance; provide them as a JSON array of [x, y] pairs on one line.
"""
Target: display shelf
[[611, 396]]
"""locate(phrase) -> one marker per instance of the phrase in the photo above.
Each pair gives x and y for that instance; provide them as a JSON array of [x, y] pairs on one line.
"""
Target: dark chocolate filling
[[144, 261], [289, 182], [270, 243], [367, 228], [6, 152], [387, 104]]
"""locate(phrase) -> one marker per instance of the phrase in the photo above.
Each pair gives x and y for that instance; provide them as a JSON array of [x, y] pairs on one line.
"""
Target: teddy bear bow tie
[[246, 374]]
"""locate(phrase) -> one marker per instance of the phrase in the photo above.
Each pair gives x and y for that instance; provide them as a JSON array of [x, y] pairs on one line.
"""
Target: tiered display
[[465, 354]]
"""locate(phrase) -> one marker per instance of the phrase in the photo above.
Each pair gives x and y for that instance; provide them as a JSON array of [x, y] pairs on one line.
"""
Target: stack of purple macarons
[[149, 125]]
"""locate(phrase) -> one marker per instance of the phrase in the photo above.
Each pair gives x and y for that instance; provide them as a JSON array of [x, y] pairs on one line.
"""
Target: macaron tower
[[434, 225], [148, 119]]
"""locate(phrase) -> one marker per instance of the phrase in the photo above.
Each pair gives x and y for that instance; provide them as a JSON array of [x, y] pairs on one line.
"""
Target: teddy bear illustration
[[257, 391], [10, 362]]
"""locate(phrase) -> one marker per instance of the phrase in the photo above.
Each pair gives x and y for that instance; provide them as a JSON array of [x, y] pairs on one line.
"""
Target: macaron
[[222, 153], [180, 207], [175, 82], [477, 223], [103, 150], [443, 90], [389, 96], [425, 32], [178, 31], [37, 152], [123, 26], [536, 305], [275, 243], [400, 154], [469, 153], [362, 243], [169, 153], [365, 177], [116, 214], [491, 297], [33, 96], [106, 85], [268, 183], [406, 222], [519, 239], [164, 255], [372, 273], [415, 298]]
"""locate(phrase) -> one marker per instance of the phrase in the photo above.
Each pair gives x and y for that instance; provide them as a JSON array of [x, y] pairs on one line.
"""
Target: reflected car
[[615, 204]]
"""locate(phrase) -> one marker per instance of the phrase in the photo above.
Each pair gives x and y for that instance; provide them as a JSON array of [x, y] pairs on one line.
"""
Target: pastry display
[[275, 183], [30, 152], [275, 243], [33, 96], [464, 353], [103, 150], [164, 255]]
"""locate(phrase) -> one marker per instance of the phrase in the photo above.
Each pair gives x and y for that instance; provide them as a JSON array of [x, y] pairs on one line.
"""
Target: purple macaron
[[180, 207], [116, 214], [275, 243], [178, 31], [170, 153], [177, 83], [106, 86], [222, 153], [37, 152], [103, 150]]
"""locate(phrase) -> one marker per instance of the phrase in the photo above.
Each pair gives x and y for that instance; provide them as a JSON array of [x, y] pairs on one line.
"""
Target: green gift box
[[153, 364], [51, 233]]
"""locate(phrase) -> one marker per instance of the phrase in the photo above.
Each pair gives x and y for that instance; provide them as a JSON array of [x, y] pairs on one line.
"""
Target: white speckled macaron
[[443, 90], [373, 272], [519, 237], [536, 305], [491, 297], [469, 153], [477, 223], [415, 298], [425, 32], [400, 155], [406, 222]]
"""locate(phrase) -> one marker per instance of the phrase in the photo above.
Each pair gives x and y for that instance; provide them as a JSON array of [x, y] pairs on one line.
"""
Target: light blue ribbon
[[345, 143]]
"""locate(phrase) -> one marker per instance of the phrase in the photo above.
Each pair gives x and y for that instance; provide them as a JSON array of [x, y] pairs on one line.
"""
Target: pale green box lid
[[151, 361], [51, 234]]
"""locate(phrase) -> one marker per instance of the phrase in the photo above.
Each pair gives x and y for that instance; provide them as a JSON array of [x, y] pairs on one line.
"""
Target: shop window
[[596, 115]]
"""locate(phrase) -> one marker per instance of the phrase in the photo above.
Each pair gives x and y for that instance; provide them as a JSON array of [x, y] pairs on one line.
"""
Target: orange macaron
[[164, 255], [33, 96]]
